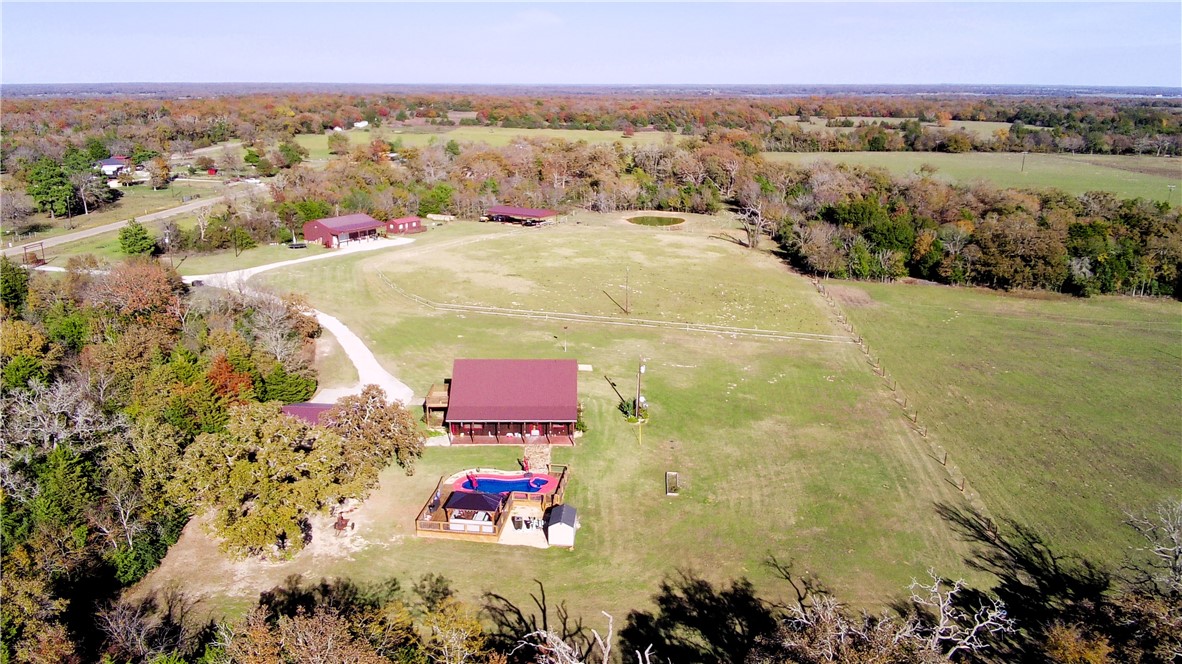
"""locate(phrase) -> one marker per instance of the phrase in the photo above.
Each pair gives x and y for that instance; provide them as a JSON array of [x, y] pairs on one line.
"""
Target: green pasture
[[1063, 413], [1126, 176], [317, 144], [977, 128], [785, 448]]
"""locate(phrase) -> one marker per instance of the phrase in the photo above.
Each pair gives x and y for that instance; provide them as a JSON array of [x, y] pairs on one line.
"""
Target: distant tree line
[[36, 128], [841, 221]]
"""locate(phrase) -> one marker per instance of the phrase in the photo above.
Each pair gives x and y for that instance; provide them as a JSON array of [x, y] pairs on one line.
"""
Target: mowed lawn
[[785, 448], [1063, 413], [1125, 176]]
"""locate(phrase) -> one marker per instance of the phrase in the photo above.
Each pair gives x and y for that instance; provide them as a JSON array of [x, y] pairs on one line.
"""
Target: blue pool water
[[491, 485]]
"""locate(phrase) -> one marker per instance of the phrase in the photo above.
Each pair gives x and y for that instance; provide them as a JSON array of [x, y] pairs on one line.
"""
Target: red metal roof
[[350, 223], [308, 412], [514, 391], [520, 212]]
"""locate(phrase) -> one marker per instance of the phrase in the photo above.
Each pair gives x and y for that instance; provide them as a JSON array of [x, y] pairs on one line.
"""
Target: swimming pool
[[523, 482]]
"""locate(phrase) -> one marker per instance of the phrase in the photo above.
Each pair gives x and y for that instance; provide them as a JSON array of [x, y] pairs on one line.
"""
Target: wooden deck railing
[[488, 531]]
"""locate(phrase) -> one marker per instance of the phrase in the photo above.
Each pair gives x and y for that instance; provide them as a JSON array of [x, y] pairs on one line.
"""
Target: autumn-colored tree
[[262, 477], [338, 143], [141, 291], [235, 386], [159, 172], [455, 635], [375, 431], [30, 613]]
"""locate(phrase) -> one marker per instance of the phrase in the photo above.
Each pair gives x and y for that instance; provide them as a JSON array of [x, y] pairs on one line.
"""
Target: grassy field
[[317, 144], [333, 368], [1125, 176], [979, 129], [789, 448], [136, 200], [1062, 412]]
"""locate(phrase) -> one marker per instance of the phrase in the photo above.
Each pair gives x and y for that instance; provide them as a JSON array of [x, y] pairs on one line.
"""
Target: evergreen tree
[[135, 240], [14, 284]]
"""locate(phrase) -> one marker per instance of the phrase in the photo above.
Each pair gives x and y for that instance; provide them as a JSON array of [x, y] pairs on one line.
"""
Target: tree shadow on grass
[[1039, 586], [294, 596], [696, 621], [512, 625]]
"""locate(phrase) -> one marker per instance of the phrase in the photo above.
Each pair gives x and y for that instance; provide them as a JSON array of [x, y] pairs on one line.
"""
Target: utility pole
[[627, 293], [564, 337], [1023, 161]]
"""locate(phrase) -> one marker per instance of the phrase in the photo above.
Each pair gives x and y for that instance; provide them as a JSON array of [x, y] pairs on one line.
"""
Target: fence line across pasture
[[684, 326], [936, 451]]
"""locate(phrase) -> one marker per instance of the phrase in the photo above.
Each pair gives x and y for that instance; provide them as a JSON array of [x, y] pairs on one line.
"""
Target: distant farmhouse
[[113, 165], [337, 231]]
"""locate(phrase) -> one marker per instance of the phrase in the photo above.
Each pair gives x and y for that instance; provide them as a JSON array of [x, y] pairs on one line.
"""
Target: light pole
[[636, 404]]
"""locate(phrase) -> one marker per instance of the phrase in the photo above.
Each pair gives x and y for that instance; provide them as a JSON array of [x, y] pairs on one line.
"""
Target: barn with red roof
[[512, 402], [336, 231]]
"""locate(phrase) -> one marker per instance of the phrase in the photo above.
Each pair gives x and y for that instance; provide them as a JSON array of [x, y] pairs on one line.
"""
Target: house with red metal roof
[[336, 231], [520, 215], [308, 411], [513, 402]]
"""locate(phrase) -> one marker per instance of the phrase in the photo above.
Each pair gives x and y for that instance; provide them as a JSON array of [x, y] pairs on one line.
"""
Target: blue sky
[[625, 43]]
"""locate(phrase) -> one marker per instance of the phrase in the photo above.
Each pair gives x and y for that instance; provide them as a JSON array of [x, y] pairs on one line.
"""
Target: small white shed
[[561, 523]]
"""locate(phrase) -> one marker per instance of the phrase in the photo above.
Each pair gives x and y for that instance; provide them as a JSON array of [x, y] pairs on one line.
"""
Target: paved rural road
[[116, 225], [369, 371]]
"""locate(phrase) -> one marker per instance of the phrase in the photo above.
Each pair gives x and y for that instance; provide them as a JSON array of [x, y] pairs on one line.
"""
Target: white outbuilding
[[561, 523]]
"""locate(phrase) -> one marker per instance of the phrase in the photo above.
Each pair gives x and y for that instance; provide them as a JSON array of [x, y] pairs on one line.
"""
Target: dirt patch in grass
[[848, 296]]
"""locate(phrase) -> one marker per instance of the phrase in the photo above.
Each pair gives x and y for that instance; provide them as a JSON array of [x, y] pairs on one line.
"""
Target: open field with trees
[[132, 201], [978, 128], [317, 144], [791, 439], [1127, 177], [134, 406], [746, 420]]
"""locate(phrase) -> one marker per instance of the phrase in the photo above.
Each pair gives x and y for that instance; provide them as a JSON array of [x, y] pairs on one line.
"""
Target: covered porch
[[511, 433]]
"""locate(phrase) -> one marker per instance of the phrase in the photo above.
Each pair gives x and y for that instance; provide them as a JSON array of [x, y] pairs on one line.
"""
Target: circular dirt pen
[[656, 221]]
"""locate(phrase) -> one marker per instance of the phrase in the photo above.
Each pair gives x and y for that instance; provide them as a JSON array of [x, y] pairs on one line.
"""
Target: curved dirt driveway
[[369, 370]]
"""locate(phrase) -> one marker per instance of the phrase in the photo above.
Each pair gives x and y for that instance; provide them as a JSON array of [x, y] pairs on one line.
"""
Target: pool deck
[[432, 522]]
